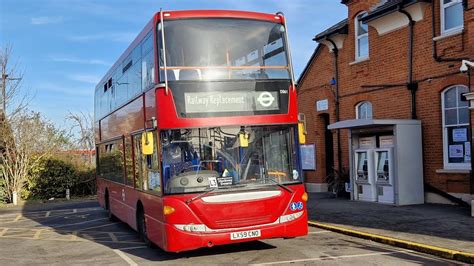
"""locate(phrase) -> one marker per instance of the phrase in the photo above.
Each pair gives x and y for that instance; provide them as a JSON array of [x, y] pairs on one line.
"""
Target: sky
[[66, 46]]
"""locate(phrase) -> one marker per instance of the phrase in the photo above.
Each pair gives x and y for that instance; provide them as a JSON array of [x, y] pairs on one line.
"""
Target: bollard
[[67, 194], [15, 198]]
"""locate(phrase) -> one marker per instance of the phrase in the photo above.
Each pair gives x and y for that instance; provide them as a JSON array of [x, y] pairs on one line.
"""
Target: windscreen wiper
[[281, 185], [200, 195]]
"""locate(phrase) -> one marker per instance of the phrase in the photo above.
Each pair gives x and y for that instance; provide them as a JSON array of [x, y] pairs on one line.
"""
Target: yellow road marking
[[4, 230], [78, 223], [74, 235], [37, 234], [47, 229], [434, 250], [60, 210], [27, 217], [97, 226], [18, 217], [76, 240]]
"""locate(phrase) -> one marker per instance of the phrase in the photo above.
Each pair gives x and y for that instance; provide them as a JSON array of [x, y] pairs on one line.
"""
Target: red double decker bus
[[197, 132]]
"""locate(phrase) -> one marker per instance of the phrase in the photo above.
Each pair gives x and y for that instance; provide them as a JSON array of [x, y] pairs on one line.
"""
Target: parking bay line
[[27, 218], [113, 237], [336, 257], [17, 218], [3, 230], [79, 239], [84, 222], [55, 210], [319, 232], [98, 226], [125, 257]]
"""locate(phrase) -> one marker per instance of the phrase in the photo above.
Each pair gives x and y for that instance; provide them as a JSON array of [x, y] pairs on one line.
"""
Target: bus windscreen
[[202, 159], [223, 49]]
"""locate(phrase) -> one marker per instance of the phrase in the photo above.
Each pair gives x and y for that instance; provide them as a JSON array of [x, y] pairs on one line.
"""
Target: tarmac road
[[80, 233]]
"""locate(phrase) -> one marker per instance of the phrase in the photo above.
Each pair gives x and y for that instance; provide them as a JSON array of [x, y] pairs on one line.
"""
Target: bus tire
[[141, 226], [110, 215]]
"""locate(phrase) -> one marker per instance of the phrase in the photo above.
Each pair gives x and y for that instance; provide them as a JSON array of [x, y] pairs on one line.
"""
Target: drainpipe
[[338, 132], [471, 173], [411, 86]]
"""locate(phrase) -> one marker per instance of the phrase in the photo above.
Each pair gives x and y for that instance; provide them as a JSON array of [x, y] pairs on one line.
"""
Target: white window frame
[[359, 105], [446, 163], [358, 37], [443, 6]]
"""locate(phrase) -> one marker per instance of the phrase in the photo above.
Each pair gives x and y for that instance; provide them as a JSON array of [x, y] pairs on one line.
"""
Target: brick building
[[394, 60]]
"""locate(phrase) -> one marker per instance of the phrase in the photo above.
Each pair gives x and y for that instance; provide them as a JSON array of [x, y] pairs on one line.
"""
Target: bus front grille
[[240, 222]]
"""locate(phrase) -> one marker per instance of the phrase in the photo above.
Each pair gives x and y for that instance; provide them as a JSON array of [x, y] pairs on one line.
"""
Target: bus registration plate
[[244, 234]]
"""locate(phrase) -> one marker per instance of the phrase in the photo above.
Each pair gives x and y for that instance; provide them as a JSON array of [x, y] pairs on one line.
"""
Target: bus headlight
[[167, 210]]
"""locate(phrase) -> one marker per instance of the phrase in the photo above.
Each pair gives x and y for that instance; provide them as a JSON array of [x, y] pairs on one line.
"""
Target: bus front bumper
[[178, 240]]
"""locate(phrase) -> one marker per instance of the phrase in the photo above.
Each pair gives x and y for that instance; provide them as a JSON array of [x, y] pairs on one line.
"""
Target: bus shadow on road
[[86, 222]]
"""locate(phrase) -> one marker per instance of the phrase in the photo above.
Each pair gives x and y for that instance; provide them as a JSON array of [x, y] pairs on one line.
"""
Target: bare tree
[[83, 128], [12, 96], [25, 136]]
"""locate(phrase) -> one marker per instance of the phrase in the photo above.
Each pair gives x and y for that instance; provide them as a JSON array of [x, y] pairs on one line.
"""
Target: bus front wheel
[[141, 227]]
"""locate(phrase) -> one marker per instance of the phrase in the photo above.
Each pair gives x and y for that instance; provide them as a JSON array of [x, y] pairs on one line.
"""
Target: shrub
[[3, 193], [52, 176], [85, 183]]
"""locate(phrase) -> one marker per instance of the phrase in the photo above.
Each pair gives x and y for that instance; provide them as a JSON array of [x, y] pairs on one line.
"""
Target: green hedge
[[52, 176]]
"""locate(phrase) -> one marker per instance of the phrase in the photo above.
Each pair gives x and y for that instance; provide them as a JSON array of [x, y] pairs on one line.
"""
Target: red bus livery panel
[[197, 132]]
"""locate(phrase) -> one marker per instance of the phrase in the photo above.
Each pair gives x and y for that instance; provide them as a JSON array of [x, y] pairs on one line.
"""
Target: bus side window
[[128, 162], [138, 161], [152, 170], [147, 170]]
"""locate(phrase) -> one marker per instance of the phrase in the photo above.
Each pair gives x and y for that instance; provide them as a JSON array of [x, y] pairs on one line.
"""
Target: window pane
[[363, 28], [129, 161], [121, 90], [134, 80], [138, 161], [463, 115], [363, 46], [369, 111], [450, 98], [461, 90], [453, 16], [364, 110], [451, 117], [361, 112]]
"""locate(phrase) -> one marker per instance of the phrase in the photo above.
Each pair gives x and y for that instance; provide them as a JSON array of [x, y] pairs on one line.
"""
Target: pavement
[[444, 230], [80, 233]]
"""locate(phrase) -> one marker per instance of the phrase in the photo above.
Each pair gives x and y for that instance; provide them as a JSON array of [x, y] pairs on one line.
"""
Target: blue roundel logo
[[296, 206]]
